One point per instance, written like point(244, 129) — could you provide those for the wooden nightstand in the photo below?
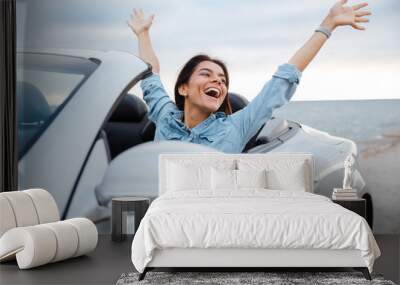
point(358, 206)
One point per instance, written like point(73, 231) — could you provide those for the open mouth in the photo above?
point(213, 92)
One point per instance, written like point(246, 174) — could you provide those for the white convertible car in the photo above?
point(85, 139)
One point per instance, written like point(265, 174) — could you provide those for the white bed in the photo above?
point(201, 220)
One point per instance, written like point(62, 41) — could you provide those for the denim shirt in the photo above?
point(226, 133)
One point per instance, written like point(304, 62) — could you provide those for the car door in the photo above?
point(54, 156)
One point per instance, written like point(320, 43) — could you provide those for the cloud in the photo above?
point(253, 37)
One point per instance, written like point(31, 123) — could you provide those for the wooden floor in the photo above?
point(111, 259)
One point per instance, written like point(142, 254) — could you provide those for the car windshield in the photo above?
point(45, 82)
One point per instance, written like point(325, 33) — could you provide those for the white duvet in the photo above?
point(252, 218)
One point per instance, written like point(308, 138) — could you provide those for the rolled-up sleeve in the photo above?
point(156, 98)
point(275, 93)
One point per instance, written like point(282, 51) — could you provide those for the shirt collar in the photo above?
point(178, 115)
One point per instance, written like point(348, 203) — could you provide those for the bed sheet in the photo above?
point(250, 218)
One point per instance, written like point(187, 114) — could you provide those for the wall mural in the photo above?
point(83, 126)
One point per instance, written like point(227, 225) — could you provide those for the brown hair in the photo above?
point(187, 72)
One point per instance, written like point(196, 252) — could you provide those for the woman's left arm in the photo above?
point(339, 15)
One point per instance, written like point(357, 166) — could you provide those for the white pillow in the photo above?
point(251, 178)
point(282, 174)
point(223, 179)
point(229, 179)
point(188, 177)
point(280, 180)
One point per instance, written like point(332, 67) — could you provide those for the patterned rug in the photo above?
point(242, 278)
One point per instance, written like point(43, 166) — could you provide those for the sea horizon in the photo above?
point(359, 120)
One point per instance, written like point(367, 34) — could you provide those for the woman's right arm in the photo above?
point(157, 99)
point(140, 25)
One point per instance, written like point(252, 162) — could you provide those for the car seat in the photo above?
point(124, 128)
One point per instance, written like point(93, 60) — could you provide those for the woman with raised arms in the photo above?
point(201, 112)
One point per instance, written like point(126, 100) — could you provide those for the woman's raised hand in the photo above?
point(139, 23)
point(341, 15)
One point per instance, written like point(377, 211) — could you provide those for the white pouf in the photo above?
point(31, 232)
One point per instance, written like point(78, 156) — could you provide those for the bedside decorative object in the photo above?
point(344, 194)
point(127, 212)
point(347, 192)
point(348, 172)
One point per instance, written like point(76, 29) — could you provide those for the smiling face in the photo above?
point(206, 89)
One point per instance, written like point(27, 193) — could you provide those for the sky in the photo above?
point(252, 37)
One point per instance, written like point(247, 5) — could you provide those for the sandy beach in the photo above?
point(379, 160)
